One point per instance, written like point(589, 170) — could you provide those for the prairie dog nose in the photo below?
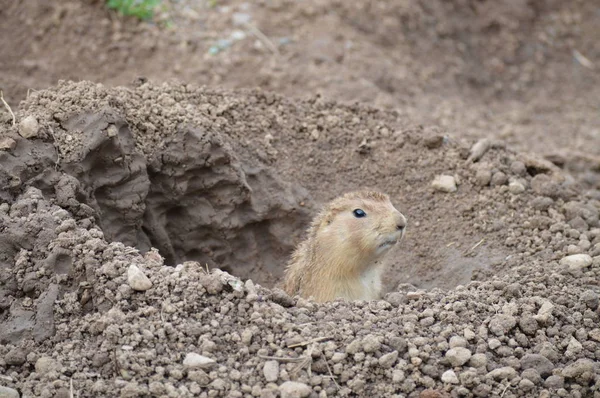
point(400, 222)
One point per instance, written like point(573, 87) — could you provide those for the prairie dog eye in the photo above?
point(359, 213)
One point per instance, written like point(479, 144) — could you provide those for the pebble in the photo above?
point(388, 360)
point(538, 362)
point(457, 341)
point(458, 356)
point(528, 325)
point(45, 364)
point(502, 324)
point(271, 371)
point(505, 372)
point(494, 343)
point(137, 279)
point(449, 377)
point(444, 183)
point(6, 392)
point(574, 346)
point(294, 389)
point(526, 385)
point(595, 334)
point(371, 344)
point(193, 361)
point(554, 381)
point(15, 357)
point(7, 143)
point(29, 127)
point(532, 375)
point(498, 179)
point(517, 167)
point(478, 360)
point(483, 177)
point(577, 368)
point(516, 187)
point(577, 261)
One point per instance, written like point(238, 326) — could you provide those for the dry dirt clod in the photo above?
point(577, 261)
point(458, 356)
point(444, 183)
point(294, 389)
point(271, 371)
point(7, 143)
point(449, 377)
point(137, 279)
point(6, 392)
point(29, 127)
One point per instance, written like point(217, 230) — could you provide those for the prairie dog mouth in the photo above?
point(388, 243)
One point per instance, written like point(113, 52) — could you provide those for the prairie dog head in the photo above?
point(359, 228)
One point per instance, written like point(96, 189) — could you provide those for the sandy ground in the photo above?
point(494, 291)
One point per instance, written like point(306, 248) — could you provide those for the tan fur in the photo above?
point(338, 257)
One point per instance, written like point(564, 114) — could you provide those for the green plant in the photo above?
point(142, 9)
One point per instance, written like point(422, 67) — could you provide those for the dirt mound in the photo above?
point(224, 171)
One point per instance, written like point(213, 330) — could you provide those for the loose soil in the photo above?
point(494, 291)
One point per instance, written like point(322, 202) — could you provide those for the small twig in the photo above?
point(116, 363)
point(474, 247)
point(282, 359)
point(331, 374)
point(14, 119)
point(305, 343)
point(71, 390)
point(450, 244)
point(505, 388)
point(263, 38)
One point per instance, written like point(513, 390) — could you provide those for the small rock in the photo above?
point(516, 187)
point(595, 334)
point(498, 179)
point(371, 343)
point(433, 141)
point(538, 362)
point(574, 346)
point(45, 364)
point(137, 279)
point(457, 341)
point(502, 324)
point(444, 183)
point(15, 357)
point(449, 377)
point(577, 368)
point(577, 261)
point(388, 360)
point(532, 375)
point(271, 371)
point(526, 385)
point(458, 356)
point(590, 298)
point(29, 127)
point(483, 177)
point(528, 325)
point(505, 372)
point(294, 389)
point(518, 168)
point(469, 334)
point(478, 360)
point(193, 361)
point(555, 382)
point(494, 343)
point(6, 392)
point(7, 143)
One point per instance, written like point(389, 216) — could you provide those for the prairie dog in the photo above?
point(338, 257)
